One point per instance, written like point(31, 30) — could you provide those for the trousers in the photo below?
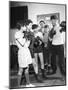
point(59, 51)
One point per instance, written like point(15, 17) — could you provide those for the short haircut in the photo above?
point(19, 24)
point(34, 26)
point(28, 21)
point(42, 21)
point(53, 17)
point(63, 24)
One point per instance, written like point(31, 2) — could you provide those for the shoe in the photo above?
point(45, 78)
point(46, 66)
point(43, 74)
point(30, 85)
point(38, 78)
point(50, 73)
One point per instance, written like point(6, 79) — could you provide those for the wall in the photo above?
point(35, 9)
point(12, 36)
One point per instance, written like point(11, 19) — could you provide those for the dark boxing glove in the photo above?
point(36, 43)
point(52, 33)
point(63, 26)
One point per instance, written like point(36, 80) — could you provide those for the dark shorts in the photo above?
point(38, 49)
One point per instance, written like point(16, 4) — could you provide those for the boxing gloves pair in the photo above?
point(37, 42)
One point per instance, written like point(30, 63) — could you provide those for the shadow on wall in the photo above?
point(12, 36)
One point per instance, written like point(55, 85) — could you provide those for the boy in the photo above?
point(46, 50)
point(31, 47)
point(38, 50)
point(57, 46)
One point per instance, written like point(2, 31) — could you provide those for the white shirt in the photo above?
point(58, 38)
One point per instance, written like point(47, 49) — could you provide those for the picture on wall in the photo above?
point(46, 18)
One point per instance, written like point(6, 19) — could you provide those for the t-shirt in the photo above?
point(58, 38)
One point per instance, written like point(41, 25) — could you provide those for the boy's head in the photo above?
point(28, 24)
point(46, 28)
point(35, 27)
point(21, 25)
point(54, 19)
point(63, 26)
point(42, 23)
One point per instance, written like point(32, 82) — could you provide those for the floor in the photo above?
point(53, 80)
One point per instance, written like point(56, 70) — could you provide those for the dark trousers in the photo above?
point(46, 55)
point(58, 50)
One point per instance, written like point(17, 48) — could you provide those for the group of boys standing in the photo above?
point(36, 41)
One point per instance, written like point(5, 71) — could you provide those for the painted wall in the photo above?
point(35, 9)
point(12, 36)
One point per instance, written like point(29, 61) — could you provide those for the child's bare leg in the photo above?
point(41, 60)
point(36, 68)
point(20, 75)
point(35, 63)
point(42, 65)
point(27, 75)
